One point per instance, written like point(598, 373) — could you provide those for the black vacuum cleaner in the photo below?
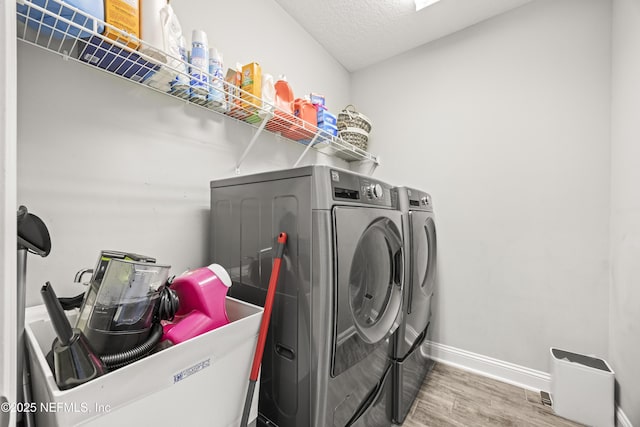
point(33, 237)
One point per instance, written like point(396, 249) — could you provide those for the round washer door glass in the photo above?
point(374, 279)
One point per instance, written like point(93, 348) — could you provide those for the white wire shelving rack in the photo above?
point(58, 27)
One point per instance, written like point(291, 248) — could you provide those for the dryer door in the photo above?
point(423, 257)
point(369, 269)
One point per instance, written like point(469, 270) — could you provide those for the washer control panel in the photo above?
point(354, 188)
point(375, 191)
point(420, 200)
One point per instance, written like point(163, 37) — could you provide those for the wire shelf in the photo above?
point(58, 27)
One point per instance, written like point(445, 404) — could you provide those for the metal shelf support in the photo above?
point(253, 141)
point(309, 145)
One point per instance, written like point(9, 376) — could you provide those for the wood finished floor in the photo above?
point(453, 397)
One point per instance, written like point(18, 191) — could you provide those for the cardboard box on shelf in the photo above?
point(124, 15)
point(251, 85)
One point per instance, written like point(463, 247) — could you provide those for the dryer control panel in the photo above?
point(348, 187)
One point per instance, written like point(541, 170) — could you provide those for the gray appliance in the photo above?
point(339, 296)
point(411, 362)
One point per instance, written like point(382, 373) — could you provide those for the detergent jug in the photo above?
point(202, 294)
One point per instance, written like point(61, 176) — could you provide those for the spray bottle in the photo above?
point(216, 98)
point(199, 67)
point(180, 85)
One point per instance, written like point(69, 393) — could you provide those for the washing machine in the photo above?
point(411, 361)
point(339, 297)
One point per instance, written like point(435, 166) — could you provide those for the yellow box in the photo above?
point(251, 83)
point(125, 15)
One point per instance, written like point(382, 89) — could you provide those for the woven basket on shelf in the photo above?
point(350, 118)
point(355, 136)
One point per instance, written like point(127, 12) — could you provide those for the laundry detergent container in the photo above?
point(62, 18)
point(582, 388)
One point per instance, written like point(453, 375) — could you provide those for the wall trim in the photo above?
point(500, 370)
point(621, 418)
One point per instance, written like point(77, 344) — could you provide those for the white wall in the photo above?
point(507, 123)
point(8, 317)
point(110, 165)
point(624, 345)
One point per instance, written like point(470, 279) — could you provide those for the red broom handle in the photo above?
point(268, 305)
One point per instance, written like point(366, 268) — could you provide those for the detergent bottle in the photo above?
point(283, 95)
point(202, 303)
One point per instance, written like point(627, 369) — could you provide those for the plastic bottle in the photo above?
point(171, 46)
point(202, 295)
point(283, 111)
point(284, 95)
point(180, 85)
point(151, 29)
point(216, 98)
point(268, 95)
point(199, 67)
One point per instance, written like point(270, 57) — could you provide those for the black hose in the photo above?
point(69, 303)
point(118, 360)
point(168, 304)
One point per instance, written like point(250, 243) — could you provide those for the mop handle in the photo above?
point(268, 305)
point(264, 328)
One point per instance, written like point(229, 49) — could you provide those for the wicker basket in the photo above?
point(350, 118)
point(355, 136)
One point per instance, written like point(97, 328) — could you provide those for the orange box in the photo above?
point(251, 83)
point(125, 15)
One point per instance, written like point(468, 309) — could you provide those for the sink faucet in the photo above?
point(79, 274)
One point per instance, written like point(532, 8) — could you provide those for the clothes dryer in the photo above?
point(411, 363)
point(339, 298)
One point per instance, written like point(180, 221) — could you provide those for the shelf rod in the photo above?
point(311, 143)
point(253, 141)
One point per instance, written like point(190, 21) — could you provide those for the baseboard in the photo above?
point(621, 418)
point(489, 367)
point(500, 370)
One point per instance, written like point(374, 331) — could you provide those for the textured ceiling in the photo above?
point(359, 33)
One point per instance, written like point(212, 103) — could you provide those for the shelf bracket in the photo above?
point(373, 164)
point(309, 145)
point(253, 141)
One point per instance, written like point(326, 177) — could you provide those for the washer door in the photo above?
point(423, 256)
point(369, 270)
